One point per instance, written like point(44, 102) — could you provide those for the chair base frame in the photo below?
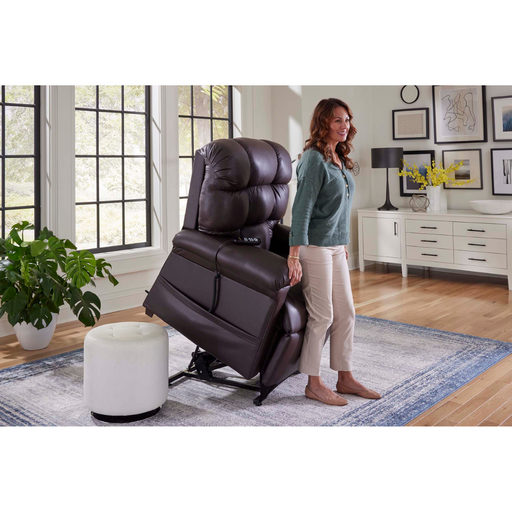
point(202, 366)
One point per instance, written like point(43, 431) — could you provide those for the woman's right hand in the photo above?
point(294, 271)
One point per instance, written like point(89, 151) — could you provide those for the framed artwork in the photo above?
point(459, 114)
point(502, 118)
point(410, 124)
point(421, 159)
point(471, 168)
point(501, 165)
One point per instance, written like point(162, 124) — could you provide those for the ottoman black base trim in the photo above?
point(125, 419)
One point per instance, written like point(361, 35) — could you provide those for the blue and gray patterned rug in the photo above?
point(413, 367)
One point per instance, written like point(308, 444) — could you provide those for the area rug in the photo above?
point(413, 367)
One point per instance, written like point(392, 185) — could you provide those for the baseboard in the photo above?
point(447, 270)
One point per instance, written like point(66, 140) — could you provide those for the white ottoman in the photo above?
point(126, 371)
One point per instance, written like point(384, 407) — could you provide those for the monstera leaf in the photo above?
point(80, 267)
point(40, 316)
point(85, 306)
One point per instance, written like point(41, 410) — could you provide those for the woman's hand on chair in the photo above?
point(294, 271)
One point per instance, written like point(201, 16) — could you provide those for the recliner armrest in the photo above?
point(253, 267)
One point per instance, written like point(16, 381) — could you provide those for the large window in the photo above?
point(205, 114)
point(19, 157)
point(112, 167)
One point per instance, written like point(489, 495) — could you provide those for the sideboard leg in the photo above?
point(361, 264)
point(510, 282)
point(404, 270)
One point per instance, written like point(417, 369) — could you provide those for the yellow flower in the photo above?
point(436, 175)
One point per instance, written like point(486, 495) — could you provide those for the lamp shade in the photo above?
point(384, 158)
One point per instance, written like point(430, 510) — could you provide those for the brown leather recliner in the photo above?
point(253, 321)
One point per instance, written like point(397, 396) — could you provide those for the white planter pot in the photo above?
point(32, 339)
point(437, 198)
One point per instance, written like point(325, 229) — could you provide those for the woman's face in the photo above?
point(339, 125)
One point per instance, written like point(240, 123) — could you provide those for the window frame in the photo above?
point(36, 156)
point(210, 118)
point(122, 201)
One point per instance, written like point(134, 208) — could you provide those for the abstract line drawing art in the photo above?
point(459, 114)
point(460, 108)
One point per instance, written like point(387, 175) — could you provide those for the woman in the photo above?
point(318, 238)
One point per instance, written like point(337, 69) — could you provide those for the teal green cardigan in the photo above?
point(321, 209)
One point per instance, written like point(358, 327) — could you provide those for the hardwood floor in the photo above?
point(468, 304)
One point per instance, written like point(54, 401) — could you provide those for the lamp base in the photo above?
point(387, 206)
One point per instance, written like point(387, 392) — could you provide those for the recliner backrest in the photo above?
point(239, 188)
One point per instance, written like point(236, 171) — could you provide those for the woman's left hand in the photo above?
point(346, 252)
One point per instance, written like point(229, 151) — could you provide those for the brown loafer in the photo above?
point(366, 393)
point(335, 401)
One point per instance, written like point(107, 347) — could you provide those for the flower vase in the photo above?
point(437, 198)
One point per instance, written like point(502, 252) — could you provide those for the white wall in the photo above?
point(372, 106)
point(292, 107)
point(385, 100)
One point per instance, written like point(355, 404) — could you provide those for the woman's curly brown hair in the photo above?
point(319, 128)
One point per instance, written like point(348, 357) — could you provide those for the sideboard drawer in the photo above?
point(429, 254)
point(466, 243)
point(481, 260)
point(480, 230)
point(429, 240)
point(439, 227)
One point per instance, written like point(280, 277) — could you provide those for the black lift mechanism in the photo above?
point(202, 366)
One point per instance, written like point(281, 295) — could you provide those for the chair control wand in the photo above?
point(239, 241)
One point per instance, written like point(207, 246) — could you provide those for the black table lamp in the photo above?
point(387, 158)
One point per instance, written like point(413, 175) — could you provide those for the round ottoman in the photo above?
point(126, 371)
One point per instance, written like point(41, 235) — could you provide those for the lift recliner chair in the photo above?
point(234, 301)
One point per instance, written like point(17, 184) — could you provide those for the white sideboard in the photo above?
point(450, 239)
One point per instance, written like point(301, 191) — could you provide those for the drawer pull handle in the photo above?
point(477, 230)
point(476, 259)
point(434, 241)
point(396, 225)
point(428, 227)
point(478, 245)
point(427, 254)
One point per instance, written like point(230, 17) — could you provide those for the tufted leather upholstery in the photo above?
point(239, 188)
point(245, 188)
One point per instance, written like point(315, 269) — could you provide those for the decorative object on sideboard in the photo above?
point(387, 158)
point(356, 169)
point(502, 118)
point(459, 114)
point(421, 159)
point(491, 206)
point(501, 171)
point(410, 124)
point(469, 174)
point(419, 203)
point(435, 176)
point(37, 276)
point(409, 94)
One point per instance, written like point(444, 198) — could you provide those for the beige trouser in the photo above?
point(329, 302)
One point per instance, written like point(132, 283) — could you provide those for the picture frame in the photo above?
point(459, 114)
point(501, 171)
point(421, 158)
point(502, 118)
point(472, 168)
point(411, 124)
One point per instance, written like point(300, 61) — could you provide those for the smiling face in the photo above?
point(339, 125)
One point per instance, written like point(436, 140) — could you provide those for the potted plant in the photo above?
point(431, 179)
point(37, 277)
